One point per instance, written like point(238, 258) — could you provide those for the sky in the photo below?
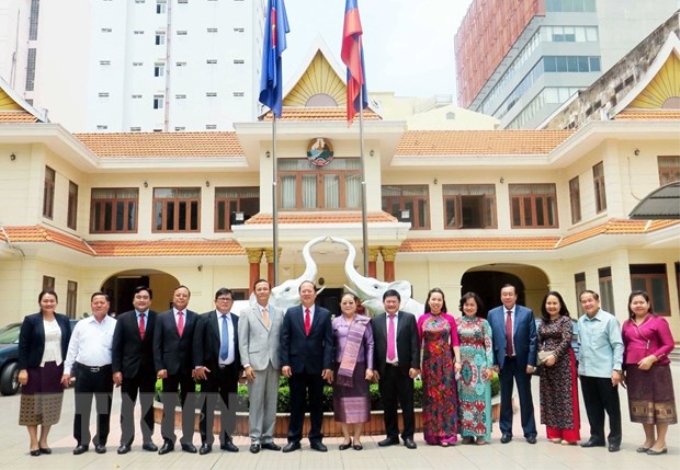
point(408, 44)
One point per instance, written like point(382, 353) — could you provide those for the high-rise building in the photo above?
point(519, 60)
point(135, 65)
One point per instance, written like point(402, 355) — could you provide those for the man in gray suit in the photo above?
point(259, 328)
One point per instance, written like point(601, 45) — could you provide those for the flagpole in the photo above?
point(275, 210)
point(364, 219)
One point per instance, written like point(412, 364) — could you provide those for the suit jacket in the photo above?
point(408, 344)
point(32, 339)
point(207, 341)
point(129, 351)
point(310, 354)
point(524, 335)
point(258, 345)
point(171, 352)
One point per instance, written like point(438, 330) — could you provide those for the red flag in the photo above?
point(352, 55)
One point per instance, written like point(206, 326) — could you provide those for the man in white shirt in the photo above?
point(89, 350)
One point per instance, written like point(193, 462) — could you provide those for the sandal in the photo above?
point(481, 442)
point(468, 440)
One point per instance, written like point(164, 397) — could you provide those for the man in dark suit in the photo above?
point(173, 357)
point(397, 362)
point(133, 368)
point(217, 364)
point(514, 347)
point(305, 357)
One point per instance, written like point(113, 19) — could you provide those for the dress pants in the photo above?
point(599, 395)
point(300, 385)
point(92, 382)
point(144, 385)
point(187, 399)
point(397, 387)
point(263, 393)
point(512, 372)
point(219, 389)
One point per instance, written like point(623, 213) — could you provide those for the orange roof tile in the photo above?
point(321, 218)
point(16, 116)
point(163, 144)
point(617, 227)
point(294, 113)
point(168, 248)
point(495, 142)
point(38, 233)
point(639, 114)
point(418, 245)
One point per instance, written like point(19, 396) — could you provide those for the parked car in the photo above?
point(9, 355)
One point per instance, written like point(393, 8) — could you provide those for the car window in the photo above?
point(10, 333)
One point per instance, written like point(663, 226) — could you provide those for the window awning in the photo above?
point(662, 203)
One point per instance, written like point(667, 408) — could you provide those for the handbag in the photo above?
point(543, 356)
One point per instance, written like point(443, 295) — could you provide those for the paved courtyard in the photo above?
point(515, 455)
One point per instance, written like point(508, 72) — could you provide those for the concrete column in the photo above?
point(389, 254)
point(373, 252)
point(254, 259)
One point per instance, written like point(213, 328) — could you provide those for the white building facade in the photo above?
point(135, 65)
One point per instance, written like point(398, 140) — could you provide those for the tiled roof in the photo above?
point(163, 144)
point(618, 227)
point(16, 116)
point(321, 218)
point(294, 113)
point(494, 142)
point(167, 248)
point(38, 233)
point(478, 244)
point(648, 115)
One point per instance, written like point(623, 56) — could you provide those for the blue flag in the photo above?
point(276, 28)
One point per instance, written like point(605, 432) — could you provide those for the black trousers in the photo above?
point(599, 395)
point(187, 399)
point(301, 385)
point(144, 385)
point(219, 390)
point(97, 383)
point(514, 372)
point(396, 386)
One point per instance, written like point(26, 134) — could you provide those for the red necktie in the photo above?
point(391, 340)
point(180, 323)
point(142, 330)
point(308, 322)
point(508, 334)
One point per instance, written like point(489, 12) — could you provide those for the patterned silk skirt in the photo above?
point(352, 405)
point(42, 396)
point(650, 395)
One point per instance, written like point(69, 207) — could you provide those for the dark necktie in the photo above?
point(224, 347)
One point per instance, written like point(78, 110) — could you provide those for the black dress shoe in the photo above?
point(35, 453)
point(205, 449)
point(270, 446)
point(344, 446)
point(229, 447)
point(100, 449)
point(592, 443)
point(651, 451)
point(150, 446)
point(81, 449)
point(319, 447)
point(45, 450)
point(358, 447)
point(616, 448)
point(505, 438)
point(291, 446)
point(123, 449)
point(389, 441)
point(254, 448)
point(410, 443)
point(531, 439)
point(168, 446)
point(189, 448)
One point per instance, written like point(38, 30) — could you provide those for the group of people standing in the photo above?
point(460, 357)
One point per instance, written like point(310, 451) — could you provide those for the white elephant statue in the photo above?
point(370, 290)
point(287, 294)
